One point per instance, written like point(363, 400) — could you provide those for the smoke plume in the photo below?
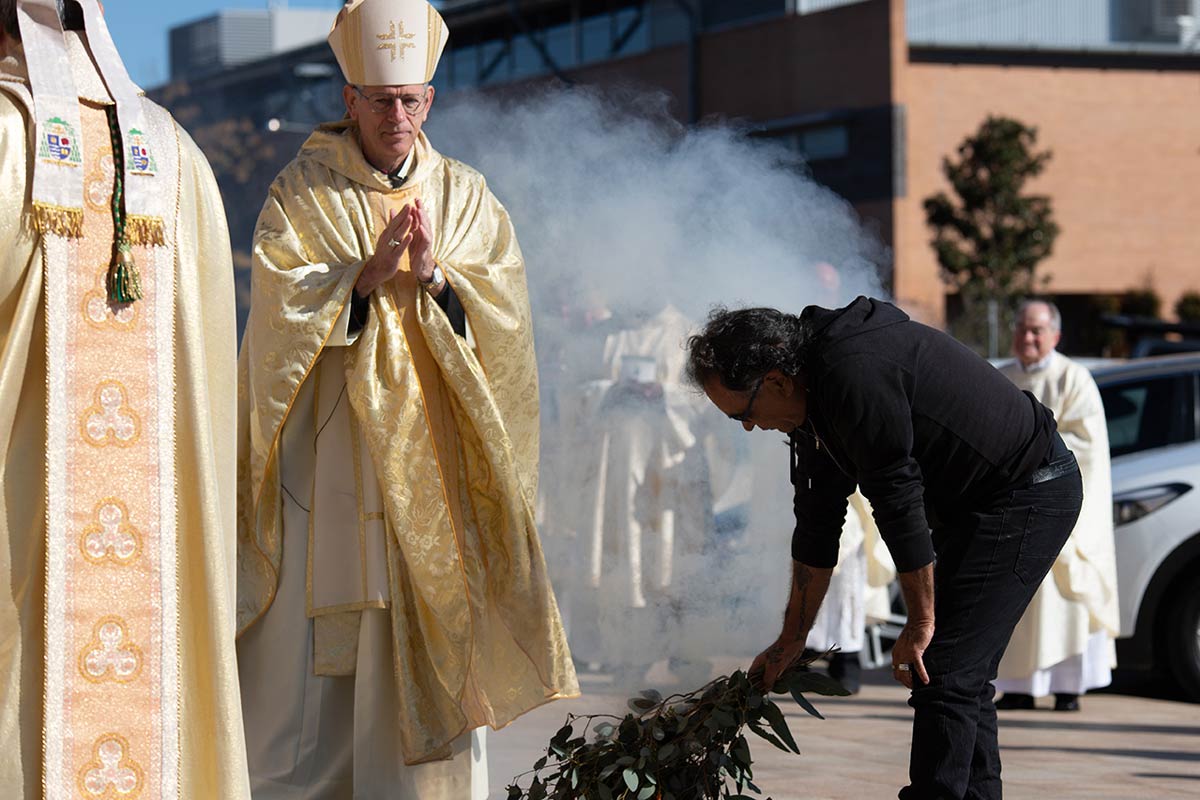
point(620, 211)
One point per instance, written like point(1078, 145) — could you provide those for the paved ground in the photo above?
point(1119, 746)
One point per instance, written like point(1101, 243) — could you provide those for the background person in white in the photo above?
point(1064, 643)
point(858, 594)
point(637, 496)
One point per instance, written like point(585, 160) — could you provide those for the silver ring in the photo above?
point(393, 243)
point(903, 668)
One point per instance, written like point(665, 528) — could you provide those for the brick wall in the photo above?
point(1124, 179)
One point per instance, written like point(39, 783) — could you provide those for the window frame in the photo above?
point(1187, 381)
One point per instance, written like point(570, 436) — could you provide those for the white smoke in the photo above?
point(607, 189)
point(619, 208)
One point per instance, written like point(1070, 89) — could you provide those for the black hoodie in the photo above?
point(925, 427)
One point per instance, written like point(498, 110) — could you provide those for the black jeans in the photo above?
point(989, 565)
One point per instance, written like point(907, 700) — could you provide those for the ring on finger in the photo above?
point(903, 667)
point(393, 243)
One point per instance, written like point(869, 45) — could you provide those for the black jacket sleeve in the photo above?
point(821, 490)
point(871, 421)
point(448, 302)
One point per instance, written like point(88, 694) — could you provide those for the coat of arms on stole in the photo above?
point(141, 162)
point(58, 143)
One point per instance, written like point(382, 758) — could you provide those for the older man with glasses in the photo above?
point(393, 597)
point(1064, 644)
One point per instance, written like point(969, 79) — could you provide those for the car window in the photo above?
point(1147, 413)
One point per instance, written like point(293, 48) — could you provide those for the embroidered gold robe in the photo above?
point(450, 428)
point(210, 758)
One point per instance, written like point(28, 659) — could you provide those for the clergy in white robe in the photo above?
point(1064, 645)
point(117, 406)
point(636, 495)
point(857, 595)
point(393, 599)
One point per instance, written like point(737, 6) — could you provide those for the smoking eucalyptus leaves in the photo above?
point(683, 747)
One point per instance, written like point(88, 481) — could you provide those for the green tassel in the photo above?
point(124, 284)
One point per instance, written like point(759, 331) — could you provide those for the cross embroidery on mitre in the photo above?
point(395, 41)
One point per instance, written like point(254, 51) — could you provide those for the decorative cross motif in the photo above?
point(107, 656)
point(110, 420)
point(111, 537)
point(111, 774)
point(395, 41)
point(98, 189)
point(99, 312)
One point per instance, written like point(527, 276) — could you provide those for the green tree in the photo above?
point(990, 236)
point(1187, 307)
point(1142, 302)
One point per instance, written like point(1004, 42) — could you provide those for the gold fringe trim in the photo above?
point(143, 231)
point(53, 220)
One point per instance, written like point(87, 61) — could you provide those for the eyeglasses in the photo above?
point(745, 415)
point(382, 103)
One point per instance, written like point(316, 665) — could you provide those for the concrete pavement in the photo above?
point(1119, 746)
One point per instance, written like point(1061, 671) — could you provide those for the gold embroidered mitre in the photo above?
point(388, 42)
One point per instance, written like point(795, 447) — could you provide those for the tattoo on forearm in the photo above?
point(798, 612)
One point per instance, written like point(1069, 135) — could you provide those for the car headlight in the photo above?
point(1133, 505)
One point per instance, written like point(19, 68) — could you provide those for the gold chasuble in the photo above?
point(117, 668)
point(450, 426)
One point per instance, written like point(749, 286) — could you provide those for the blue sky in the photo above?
point(139, 28)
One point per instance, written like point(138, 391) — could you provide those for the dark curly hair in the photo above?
point(741, 346)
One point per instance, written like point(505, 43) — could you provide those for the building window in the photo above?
point(1167, 14)
point(464, 71)
point(1149, 413)
point(823, 143)
point(826, 142)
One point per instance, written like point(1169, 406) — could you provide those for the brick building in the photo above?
point(874, 93)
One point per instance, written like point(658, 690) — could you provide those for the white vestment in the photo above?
point(1064, 642)
point(634, 491)
point(318, 733)
point(858, 587)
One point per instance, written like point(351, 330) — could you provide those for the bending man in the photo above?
point(936, 439)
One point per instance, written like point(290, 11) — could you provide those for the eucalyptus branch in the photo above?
point(687, 746)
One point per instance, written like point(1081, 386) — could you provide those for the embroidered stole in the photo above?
point(112, 700)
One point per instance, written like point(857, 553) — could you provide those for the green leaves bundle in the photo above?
point(683, 747)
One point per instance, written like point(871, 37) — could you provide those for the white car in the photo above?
point(1153, 411)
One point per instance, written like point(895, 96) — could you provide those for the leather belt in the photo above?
point(1061, 462)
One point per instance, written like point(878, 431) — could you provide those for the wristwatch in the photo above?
point(434, 282)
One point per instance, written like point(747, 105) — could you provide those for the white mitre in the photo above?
point(388, 42)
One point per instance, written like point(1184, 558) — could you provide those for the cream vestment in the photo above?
point(1073, 618)
point(117, 428)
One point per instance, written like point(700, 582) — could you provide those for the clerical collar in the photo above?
point(1037, 366)
point(400, 174)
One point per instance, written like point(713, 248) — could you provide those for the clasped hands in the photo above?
point(407, 230)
